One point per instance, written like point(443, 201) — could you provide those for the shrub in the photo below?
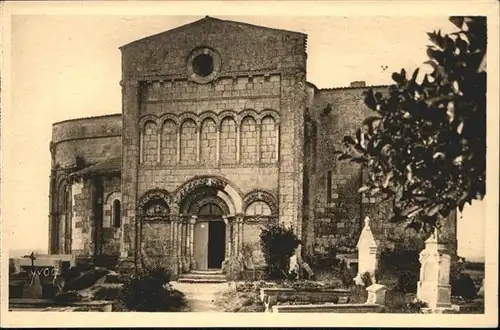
point(463, 286)
point(344, 274)
point(367, 279)
point(278, 244)
point(232, 268)
point(149, 291)
point(402, 260)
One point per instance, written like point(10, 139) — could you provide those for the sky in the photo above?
point(65, 67)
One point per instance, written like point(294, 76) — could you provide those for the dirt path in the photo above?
point(200, 296)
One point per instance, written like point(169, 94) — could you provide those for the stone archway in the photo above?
point(207, 207)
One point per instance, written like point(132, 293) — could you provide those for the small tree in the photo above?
point(425, 147)
point(278, 244)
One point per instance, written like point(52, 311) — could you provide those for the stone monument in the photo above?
point(367, 254)
point(434, 286)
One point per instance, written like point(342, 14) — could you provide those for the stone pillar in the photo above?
point(198, 143)
point(228, 237)
point(192, 221)
point(175, 256)
point(367, 254)
point(238, 132)
point(178, 145)
point(141, 146)
point(277, 142)
point(131, 138)
point(239, 225)
point(217, 152)
point(158, 144)
point(178, 239)
point(185, 244)
point(434, 284)
point(258, 128)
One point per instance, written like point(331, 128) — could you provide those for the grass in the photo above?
point(233, 301)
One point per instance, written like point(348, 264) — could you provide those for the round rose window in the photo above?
point(203, 65)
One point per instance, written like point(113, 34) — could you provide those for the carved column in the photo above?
point(185, 244)
point(179, 244)
point(217, 146)
point(198, 144)
point(192, 222)
point(228, 237)
point(238, 234)
point(238, 144)
point(277, 142)
point(258, 131)
point(158, 145)
point(175, 255)
point(178, 144)
point(171, 234)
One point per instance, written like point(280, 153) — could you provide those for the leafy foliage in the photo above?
point(402, 260)
point(149, 291)
point(425, 146)
point(278, 244)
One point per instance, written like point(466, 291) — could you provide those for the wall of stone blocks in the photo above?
point(156, 246)
point(338, 211)
point(338, 219)
point(243, 47)
point(262, 74)
point(110, 233)
point(81, 227)
point(94, 139)
point(251, 238)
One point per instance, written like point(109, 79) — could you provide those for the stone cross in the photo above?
point(367, 254)
point(433, 286)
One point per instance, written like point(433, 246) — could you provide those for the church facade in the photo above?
point(220, 133)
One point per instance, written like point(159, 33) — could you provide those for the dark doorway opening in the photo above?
point(216, 243)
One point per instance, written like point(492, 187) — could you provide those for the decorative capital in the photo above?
point(193, 219)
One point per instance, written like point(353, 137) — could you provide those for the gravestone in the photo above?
point(434, 286)
point(376, 294)
point(33, 289)
point(368, 254)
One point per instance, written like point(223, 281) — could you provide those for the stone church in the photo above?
point(220, 133)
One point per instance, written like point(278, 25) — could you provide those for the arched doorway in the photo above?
point(210, 237)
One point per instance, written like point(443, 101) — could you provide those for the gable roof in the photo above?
point(208, 19)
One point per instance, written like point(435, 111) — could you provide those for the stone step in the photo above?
point(207, 272)
point(202, 276)
point(201, 280)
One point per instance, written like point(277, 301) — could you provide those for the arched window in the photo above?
point(258, 208)
point(150, 143)
point(188, 142)
point(268, 140)
point(228, 141)
point(208, 140)
point(169, 142)
point(117, 217)
point(248, 140)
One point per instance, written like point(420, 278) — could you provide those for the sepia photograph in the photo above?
point(205, 157)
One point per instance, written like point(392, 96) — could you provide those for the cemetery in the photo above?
point(419, 273)
point(62, 283)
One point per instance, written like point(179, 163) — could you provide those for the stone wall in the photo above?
point(111, 222)
point(93, 139)
point(243, 48)
point(336, 209)
point(224, 125)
